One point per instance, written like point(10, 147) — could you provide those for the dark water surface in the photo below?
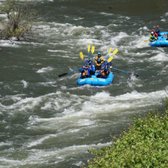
point(50, 122)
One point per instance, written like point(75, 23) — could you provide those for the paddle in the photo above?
point(89, 48)
point(111, 56)
point(126, 72)
point(110, 59)
point(89, 51)
point(63, 74)
point(92, 49)
point(71, 71)
point(108, 53)
point(110, 50)
point(81, 55)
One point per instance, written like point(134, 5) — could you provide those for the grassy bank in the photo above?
point(144, 145)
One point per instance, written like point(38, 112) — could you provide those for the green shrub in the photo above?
point(145, 145)
point(18, 21)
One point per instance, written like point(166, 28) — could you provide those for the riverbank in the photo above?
point(144, 145)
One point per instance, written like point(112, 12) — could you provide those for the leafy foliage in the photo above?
point(19, 18)
point(145, 145)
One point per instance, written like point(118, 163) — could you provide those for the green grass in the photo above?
point(144, 145)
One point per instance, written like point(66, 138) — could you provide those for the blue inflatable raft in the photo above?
point(162, 40)
point(94, 81)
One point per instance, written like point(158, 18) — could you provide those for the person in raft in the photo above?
point(105, 69)
point(87, 69)
point(99, 59)
point(157, 31)
point(152, 37)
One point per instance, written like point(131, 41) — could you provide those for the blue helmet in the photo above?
point(99, 53)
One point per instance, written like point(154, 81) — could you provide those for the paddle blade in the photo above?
point(63, 74)
point(81, 55)
point(88, 48)
point(70, 71)
point(93, 49)
point(110, 59)
point(110, 50)
point(115, 51)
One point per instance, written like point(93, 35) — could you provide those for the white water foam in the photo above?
point(8, 43)
point(45, 69)
point(55, 51)
point(25, 84)
point(96, 106)
point(2, 144)
point(43, 156)
point(160, 57)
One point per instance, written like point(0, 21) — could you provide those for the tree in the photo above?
point(19, 19)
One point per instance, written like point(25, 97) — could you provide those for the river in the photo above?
point(48, 121)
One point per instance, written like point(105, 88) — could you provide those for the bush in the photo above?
point(145, 145)
point(19, 18)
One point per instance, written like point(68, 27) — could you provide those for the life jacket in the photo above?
point(99, 60)
point(156, 34)
point(85, 72)
point(102, 74)
point(152, 38)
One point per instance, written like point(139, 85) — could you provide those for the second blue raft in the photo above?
point(162, 40)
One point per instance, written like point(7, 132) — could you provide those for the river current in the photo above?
point(48, 121)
